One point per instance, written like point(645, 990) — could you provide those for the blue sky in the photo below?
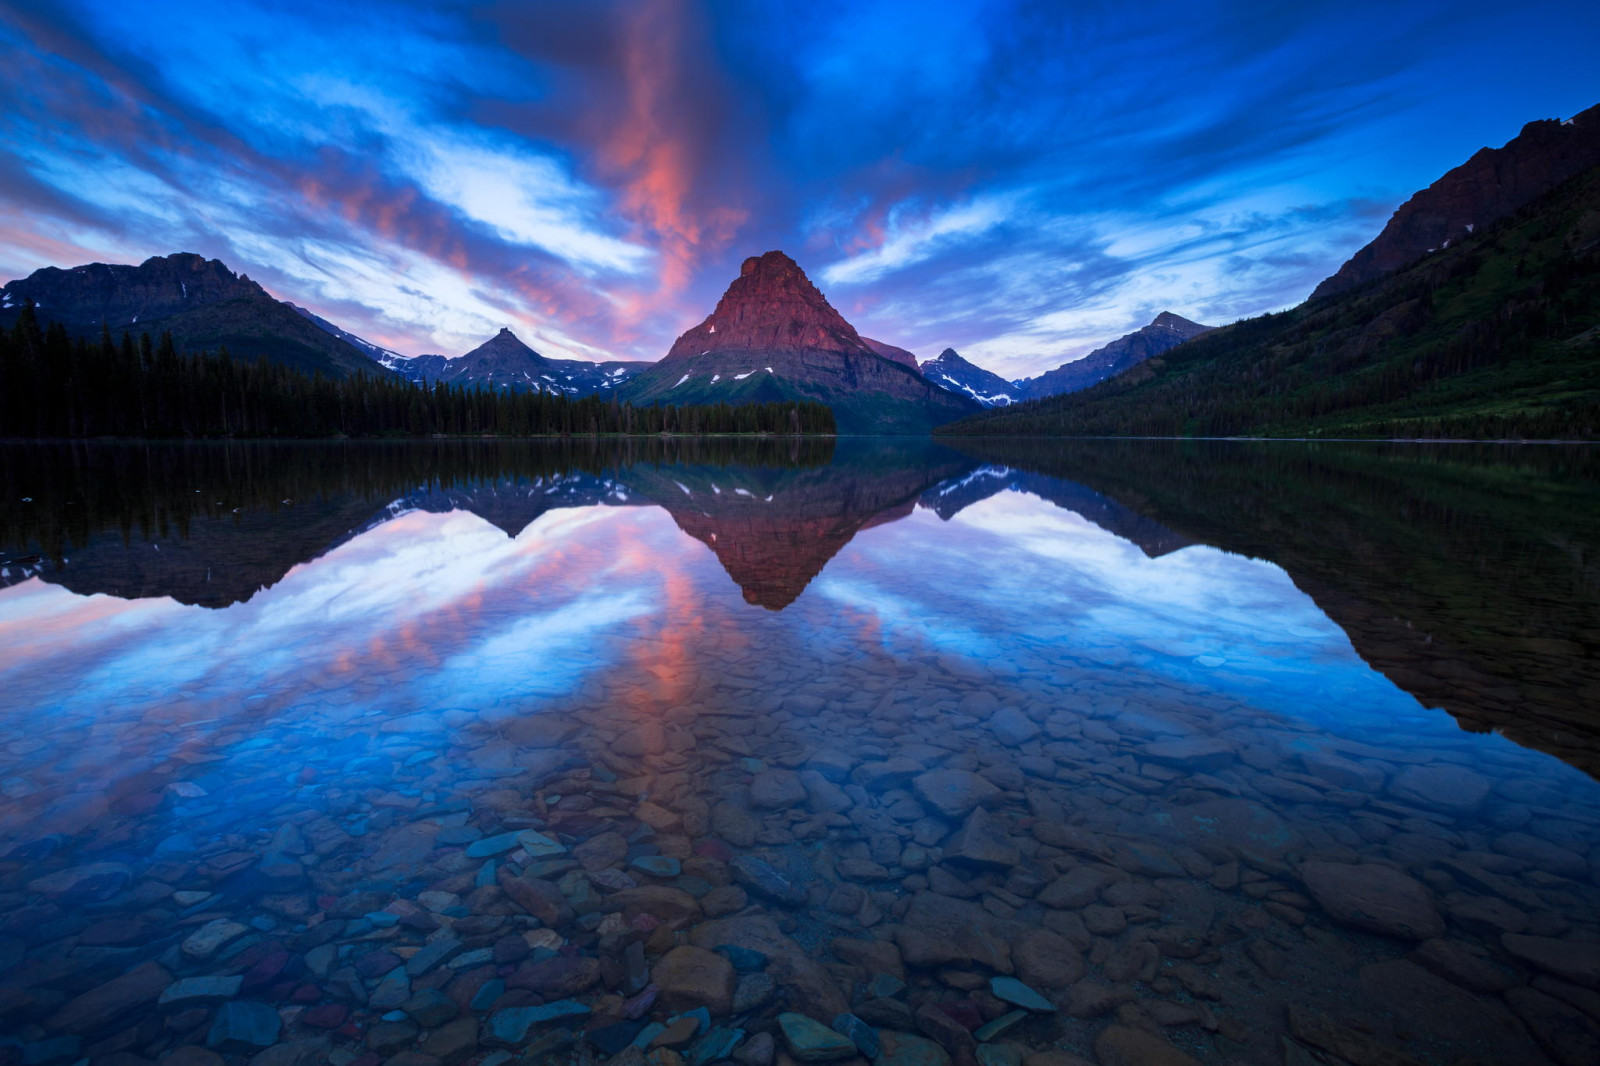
point(1021, 181)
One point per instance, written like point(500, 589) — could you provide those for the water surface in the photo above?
point(1253, 751)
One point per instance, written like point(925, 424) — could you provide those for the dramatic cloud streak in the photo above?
point(1021, 181)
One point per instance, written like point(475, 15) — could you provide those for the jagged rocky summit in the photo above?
point(948, 370)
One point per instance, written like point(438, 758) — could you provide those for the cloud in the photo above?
point(907, 242)
point(1020, 181)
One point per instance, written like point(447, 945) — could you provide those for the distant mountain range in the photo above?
point(1493, 332)
point(504, 362)
point(774, 336)
point(1165, 332)
point(1465, 315)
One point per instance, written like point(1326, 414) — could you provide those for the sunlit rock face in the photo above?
point(774, 336)
point(771, 307)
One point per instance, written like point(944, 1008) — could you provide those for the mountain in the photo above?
point(1487, 187)
point(775, 337)
point(502, 362)
point(1496, 336)
point(200, 301)
point(1165, 331)
point(376, 352)
point(948, 370)
point(891, 353)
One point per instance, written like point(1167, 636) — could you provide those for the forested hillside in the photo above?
point(1498, 336)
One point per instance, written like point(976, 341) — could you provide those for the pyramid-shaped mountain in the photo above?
point(203, 304)
point(775, 337)
point(505, 363)
point(952, 372)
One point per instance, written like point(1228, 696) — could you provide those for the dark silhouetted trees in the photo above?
point(54, 386)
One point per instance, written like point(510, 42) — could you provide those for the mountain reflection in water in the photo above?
point(1157, 728)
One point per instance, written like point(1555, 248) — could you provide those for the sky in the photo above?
point(1020, 181)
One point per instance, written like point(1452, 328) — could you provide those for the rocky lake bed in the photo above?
point(732, 834)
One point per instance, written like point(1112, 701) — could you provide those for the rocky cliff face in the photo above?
point(892, 353)
point(203, 304)
point(1490, 185)
point(773, 337)
point(948, 370)
point(1165, 331)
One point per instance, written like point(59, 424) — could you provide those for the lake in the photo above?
point(678, 751)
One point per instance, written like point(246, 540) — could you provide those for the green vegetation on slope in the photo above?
point(860, 410)
point(1497, 337)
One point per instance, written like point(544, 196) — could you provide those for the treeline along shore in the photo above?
point(58, 387)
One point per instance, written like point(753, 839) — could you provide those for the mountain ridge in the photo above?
point(772, 337)
point(1487, 187)
point(1493, 337)
point(1164, 332)
point(950, 371)
point(201, 302)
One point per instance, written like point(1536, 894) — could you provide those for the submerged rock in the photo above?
point(1120, 1045)
point(811, 1041)
point(243, 1026)
point(691, 977)
point(982, 842)
point(954, 793)
point(1376, 898)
